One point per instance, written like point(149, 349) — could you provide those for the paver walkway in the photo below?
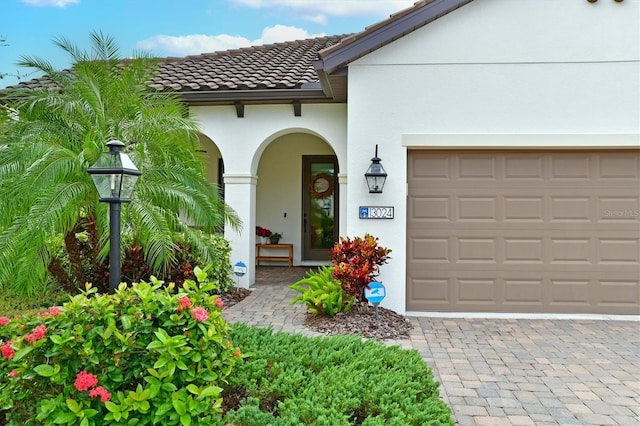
point(503, 371)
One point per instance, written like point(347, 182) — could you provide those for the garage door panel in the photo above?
point(524, 167)
point(618, 208)
point(618, 251)
point(492, 294)
point(547, 234)
point(571, 166)
point(619, 166)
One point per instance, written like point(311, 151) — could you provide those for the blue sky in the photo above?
point(173, 27)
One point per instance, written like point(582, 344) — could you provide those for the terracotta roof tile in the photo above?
point(285, 65)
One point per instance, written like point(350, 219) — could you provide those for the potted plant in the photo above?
point(263, 233)
point(275, 237)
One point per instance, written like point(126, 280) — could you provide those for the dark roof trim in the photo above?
point(231, 96)
point(398, 25)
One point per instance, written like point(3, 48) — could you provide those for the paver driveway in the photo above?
point(505, 371)
point(535, 372)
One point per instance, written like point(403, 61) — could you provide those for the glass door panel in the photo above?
point(320, 206)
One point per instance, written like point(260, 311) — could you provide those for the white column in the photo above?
point(240, 194)
point(342, 181)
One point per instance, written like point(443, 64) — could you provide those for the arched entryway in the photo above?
point(297, 195)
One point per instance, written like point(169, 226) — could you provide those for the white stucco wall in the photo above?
point(242, 142)
point(494, 73)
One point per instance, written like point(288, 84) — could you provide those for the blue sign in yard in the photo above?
point(375, 293)
point(240, 269)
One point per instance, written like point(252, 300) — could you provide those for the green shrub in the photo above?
point(321, 293)
point(134, 266)
point(341, 380)
point(219, 269)
point(12, 304)
point(142, 355)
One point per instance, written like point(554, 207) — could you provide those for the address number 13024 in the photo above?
point(376, 212)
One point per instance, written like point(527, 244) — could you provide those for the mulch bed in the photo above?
point(388, 324)
point(234, 295)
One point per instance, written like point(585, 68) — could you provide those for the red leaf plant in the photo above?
point(356, 263)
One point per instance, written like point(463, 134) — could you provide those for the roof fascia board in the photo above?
point(254, 95)
point(324, 80)
point(389, 32)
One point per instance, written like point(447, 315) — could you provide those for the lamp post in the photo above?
point(114, 176)
point(375, 175)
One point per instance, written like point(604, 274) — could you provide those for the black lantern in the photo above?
point(375, 175)
point(115, 176)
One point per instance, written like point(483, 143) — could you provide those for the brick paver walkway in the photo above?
point(505, 371)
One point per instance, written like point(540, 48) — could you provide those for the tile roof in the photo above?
point(286, 65)
point(303, 70)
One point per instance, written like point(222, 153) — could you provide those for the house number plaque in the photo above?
point(376, 212)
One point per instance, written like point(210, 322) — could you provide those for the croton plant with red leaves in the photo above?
point(356, 263)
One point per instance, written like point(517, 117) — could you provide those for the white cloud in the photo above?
point(318, 10)
point(283, 33)
point(46, 3)
point(166, 45)
point(191, 44)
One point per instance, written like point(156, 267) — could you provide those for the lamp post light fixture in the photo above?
point(375, 175)
point(114, 176)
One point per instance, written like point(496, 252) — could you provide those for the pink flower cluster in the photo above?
point(52, 312)
point(85, 381)
point(184, 303)
point(88, 382)
point(200, 314)
point(38, 333)
point(4, 321)
point(100, 392)
point(219, 302)
point(7, 350)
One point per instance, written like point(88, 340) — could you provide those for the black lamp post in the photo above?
point(375, 175)
point(115, 176)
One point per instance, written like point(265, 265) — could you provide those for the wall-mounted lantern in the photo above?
point(115, 177)
point(375, 175)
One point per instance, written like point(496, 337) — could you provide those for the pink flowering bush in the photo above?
point(143, 355)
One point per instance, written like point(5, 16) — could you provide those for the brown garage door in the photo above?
point(514, 231)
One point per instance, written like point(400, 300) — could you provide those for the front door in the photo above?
point(320, 206)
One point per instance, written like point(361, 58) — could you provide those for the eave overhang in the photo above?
point(228, 97)
point(376, 36)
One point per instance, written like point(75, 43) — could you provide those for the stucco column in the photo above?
point(342, 181)
point(240, 195)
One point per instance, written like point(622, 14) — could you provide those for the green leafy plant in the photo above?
point(322, 293)
point(52, 134)
point(140, 356)
point(356, 263)
point(340, 380)
point(219, 268)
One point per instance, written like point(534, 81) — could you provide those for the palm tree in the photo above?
point(52, 134)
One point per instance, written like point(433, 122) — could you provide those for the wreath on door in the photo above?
point(321, 186)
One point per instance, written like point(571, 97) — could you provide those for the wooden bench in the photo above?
point(271, 258)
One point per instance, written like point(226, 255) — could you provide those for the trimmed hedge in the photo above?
point(342, 380)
